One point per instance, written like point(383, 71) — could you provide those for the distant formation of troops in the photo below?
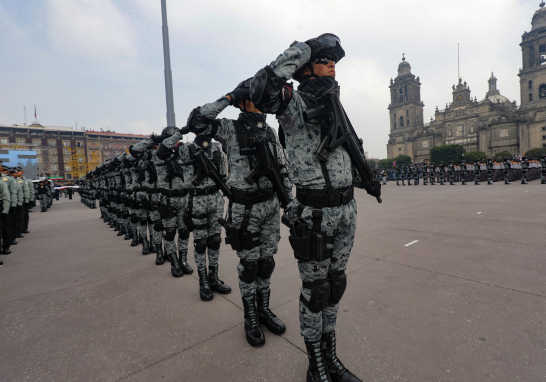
point(18, 195)
point(490, 171)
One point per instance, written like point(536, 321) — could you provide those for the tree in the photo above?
point(446, 154)
point(471, 156)
point(534, 154)
point(385, 163)
point(499, 157)
point(372, 163)
point(402, 159)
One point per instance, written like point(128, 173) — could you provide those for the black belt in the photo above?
point(204, 191)
point(137, 189)
point(129, 192)
point(151, 192)
point(173, 193)
point(249, 198)
point(319, 198)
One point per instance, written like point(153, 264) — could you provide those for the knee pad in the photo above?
point(266, 268)
point(320, 293)
point(170, 233)
point(200, 245)
point(134, 219)
point(338, 283)
point(143, 221)
point(125, 214)
point(250, 271)
point(183, 234)
point(215, 241)
point(158, 225)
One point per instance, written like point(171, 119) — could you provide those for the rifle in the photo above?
point(340, 132)
point(266, 166)
point(174, 170)
point(204, 169)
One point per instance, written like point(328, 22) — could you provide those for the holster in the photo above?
point(310, 245)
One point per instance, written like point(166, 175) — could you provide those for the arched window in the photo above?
point(395, 120)
point(401, 121)
point(530, 84)
point(407, 114)
point(530, 96)
point(542, 91)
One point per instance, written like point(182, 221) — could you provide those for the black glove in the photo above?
point(374, 190)
point(159, 138)
point(170, 130)
point(184, 130)
point(239, 94)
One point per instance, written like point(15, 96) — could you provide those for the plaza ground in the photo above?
point(465, 302)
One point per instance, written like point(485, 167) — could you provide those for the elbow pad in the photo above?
point(163, 152)
point(266, 88)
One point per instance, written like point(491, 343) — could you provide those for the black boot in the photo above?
point(266, 316)
point(112, 223)
point(175, 267)
point(204, 285)
point(128, 233)
point(121, 229)
point(317, 366)
point(216, 284)
point(159, 260)
point(184, 263)
point(254, 334)
point(145, 246)
point(338, 372)
point(506, 181)
point(134, 243)
point(152, 246)
point(6, 251)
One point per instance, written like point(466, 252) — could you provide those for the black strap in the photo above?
point(249, 198)
point(204, 191)
point(320, 199)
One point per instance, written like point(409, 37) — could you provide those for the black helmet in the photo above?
point(327, 43)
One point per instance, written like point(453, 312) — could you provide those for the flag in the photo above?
point(35, 111)
point(394, 164)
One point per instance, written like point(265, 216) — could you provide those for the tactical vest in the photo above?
point(244, 140)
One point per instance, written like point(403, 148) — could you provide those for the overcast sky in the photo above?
point(101, 61)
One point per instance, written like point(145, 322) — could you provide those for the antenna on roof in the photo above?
point(458, 63)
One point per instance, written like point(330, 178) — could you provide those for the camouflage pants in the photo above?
point(340, 222)
point(207, 209)
point(153, 216)
point(124, 209)
point(178, 207)
point(142, 215)
point(264, 218)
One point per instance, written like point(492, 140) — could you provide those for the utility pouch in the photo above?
point(232, 235)
point(188, 221)
point(300, 240)
point(162, 209)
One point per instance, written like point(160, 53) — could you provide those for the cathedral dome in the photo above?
point(404, 67)
point(539, 18)
point(497, 98)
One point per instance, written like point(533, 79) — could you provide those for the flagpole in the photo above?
point(168, 72)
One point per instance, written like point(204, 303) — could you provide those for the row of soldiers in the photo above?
point(163, 190)
point(477, 172)
point(18, 195)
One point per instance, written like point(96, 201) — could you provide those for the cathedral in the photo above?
point(491, 125)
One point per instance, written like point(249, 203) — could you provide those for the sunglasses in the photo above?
point(324, 60)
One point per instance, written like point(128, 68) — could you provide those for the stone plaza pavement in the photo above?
point(466, 302)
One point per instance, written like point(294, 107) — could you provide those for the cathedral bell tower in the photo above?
point(405, 109)
point(533, 49)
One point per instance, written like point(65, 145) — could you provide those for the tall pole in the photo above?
point(168, 72)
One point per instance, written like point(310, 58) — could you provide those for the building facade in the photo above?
point(64, 152)
point(491, 125)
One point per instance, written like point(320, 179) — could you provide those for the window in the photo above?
point(68, 168)
point(544, 137)
point(79, 144)
point(532, 56)
point(38, 160)
point(38, 150)
point(395, 125)
point(542, 91)
point(20, 140)
point(66, 151)
point(544, 145)
point(68, 176)
point(530, 84)
point(400, 90)
point(3, 140)
point(542, 48)
point(37, 142)
point(66, 143)
point(51, 142)
point(399, 149)
point(67, 159)
point(53, 167)
point(401, 121)
point(80, 160)
point(52, 151)
point(401, 98)
point(530, 96)
point(544, 128)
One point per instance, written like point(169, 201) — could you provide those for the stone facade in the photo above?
point(491, 125)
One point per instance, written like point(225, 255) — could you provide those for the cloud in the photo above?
point(95, 29)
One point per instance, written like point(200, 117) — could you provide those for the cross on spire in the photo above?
point(403, 58)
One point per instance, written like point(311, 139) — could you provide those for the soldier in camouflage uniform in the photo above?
point(28, 204)
point(543, 169)
point(17, 221)
point(253, 218)
point(398, 174)
point(22, 207)
point(324, 208)
point(415, 175)
point(409, 174)
point(524, 169)
point(6, 220)
point(139, 203)
point(442, 172)
point(507, 169)
point(464, 170)
point(155, 181)
point(403, 172)
point(131, 232)
point(451, 171)
point(476, 172)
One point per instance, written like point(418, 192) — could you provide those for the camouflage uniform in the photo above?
point(543, 169)
point(8, 185)
point(254, 211)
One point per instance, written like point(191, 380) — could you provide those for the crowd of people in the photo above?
point(490, 171)
point(18, 195)
point(164, 190)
